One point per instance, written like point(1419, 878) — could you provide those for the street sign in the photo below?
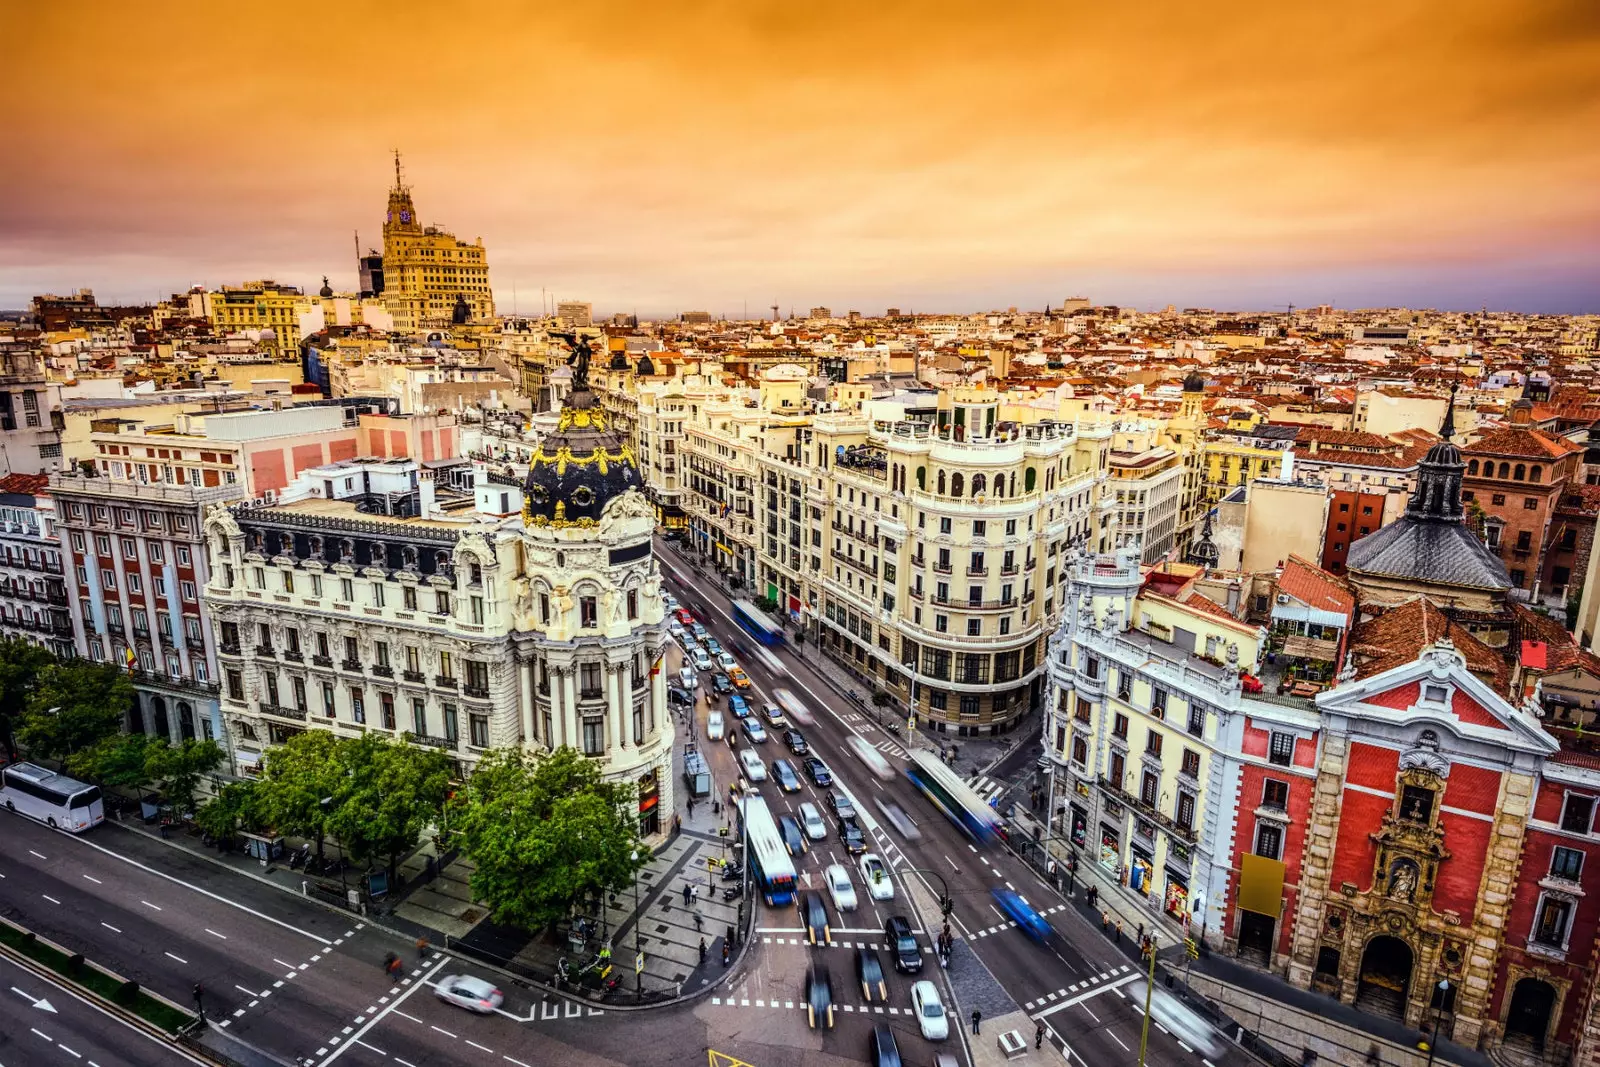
point(1192, 947)
point(638, 963)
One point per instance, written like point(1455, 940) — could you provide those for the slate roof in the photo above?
point(1438, 553)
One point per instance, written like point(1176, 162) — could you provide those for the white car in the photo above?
point(876, 876)
point(702, 660)
point(725, 661)
point(688, 678)
point(1186, 1024)
point(875, 761)
point(714, 725)
point(754, 769)
point(840, 888)
point(811, 819)
point(465, 991)
point(929, 1010)
point(675, 628)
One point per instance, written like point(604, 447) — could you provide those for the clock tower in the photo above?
point(427, 272)
point(401, 218)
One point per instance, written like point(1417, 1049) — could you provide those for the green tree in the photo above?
point(395, 791)
point(182, 766)
point(236, 806)
point(544, 832)
point(73, 705)
point(123, 761)
point(20, 664)
point(300, 775)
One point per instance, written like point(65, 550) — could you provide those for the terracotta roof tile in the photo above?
point(1315, 587)
point(25, 484)
point(1400, 634)
point(1521, 441)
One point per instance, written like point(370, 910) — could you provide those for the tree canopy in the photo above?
point(545, 831)
point(20, 664)
point(300, 774)
point(73, 705)
point(394, 791)
point(236, 806)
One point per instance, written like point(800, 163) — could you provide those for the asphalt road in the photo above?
point(1075, 981)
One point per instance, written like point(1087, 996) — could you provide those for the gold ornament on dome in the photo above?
point(583, 418)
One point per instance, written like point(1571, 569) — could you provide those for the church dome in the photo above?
point(1194, 382)
point(326, 290)
point(579, 468)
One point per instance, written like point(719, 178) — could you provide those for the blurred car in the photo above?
point(754, 730)
point(843, 810)
point(713, 646)
point(715, 727)
point(875, 875)
point(783, 774)
point(796, 742)
point(702, 660)
point(840, 888)
point(811, 818)
point(675, 628)
point(685, 619)
point(793, 707)
point(739, 679)
point(738, 705)
point(814, 915)
point(1021, 912)
point(818, 772)
point(903, 947)
point(929, 1010)
point(699, 631)
point(874, 760)
point(725, 660)
point(688, 678)
point(870, 972)
point(1186, 1024)
point(896, 816)
point(854, 841)
point(881, 1048)
point(677, 694)
point(819, 998)
point(669, 601)
point(754, 769)
point(465, 991)
point(774, 715)
point(794, 839)
point(720, 684)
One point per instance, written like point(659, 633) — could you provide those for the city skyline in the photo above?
point(720, 158)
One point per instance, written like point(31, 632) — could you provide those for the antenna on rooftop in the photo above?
point(774, 311)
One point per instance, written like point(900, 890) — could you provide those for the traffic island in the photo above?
point(102, 985)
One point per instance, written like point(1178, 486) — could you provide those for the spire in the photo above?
point(398, 183)
point(1448, 429)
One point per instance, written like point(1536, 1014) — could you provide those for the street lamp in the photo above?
point(1438, 1010)
point(638, 972)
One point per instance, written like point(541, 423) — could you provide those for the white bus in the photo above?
point(63, 802)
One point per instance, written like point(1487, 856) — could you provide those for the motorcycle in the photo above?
point(733, 892)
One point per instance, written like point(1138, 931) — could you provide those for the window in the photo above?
point(1269, 840)
point(347, 590)
point(108, 578)
point(358, 706)
point(1497, 498)
point(593, 737)
point(408, 597)
point(1184, 816)
point(186, 590)
point(419, 717)
point(974, 627)
point(1551, 926)
point(1080, 751)
point(1149, 788)
point(452, 729)
point(1152, 743)
point(1191, 763)
point(1566, 863)
point(1158, 702)
point(1119, 770)
point(102, 544)
point(588, 614)
point(377, 594)
point(944, 525)
point(135, 583)
point(633, 604)
point(386, 709)
point(328, 700)
point(1275, 795)
point(1124, 685)
point(1530, 503)
point(1084, 710)
point(235, 685)
point(130, 550)
point(1119, 726)
point(969, 705)
point(1578, 813)
point(381, 649)
point(156, 554)
point(1281, 749)
point(476, 608)
point(352, 653)
point(478, 731)
point(1197, 720)
point(183, 556)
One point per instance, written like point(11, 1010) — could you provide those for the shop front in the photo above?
point(1110, 849)
point(649, 805)
point(1141, 870)
point(1079, 827)
point(1176, 900)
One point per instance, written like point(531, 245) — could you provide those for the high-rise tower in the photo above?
point(426, 269)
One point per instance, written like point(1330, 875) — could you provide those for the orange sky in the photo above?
point(938, 156)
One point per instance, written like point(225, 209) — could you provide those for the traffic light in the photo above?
point(946, 906)
point(1192, 947)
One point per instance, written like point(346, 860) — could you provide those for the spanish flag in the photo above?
point(129, 658)
point(655, 668)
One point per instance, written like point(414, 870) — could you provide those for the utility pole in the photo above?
point(1149, 993)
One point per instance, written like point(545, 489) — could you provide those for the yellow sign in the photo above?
point(722, 1059)
point(1261, 885)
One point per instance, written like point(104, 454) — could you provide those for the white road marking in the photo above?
point(335, 1054)
point(483, 1048)
point(246, 992)
point(50, 898)
point(42, 856)
point(147, 904)
point(96, 881)
point(213, 933)
point(374, 1048)
point(280, 963)
point(113, 929)
point(180, 959)
point(1118, 1040)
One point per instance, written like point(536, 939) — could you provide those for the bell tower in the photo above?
point(402, 214)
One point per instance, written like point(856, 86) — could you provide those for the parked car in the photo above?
point(702, 661)
point(465, 991)
point(854, 841)
point(819, 998)
point(720, 684)
point(794, 839)
point(875, 876)
point(896, 816)
point(840, 888)
point(882, 1049)
point(929, 1010)
point(814, 915)
point(1021, 912)
point(754, 730)
point(688, 678)
point(739, 679)
point(754, 769)
point(774, 715)
point(869, 969)
point(783, 774)
point(811, 819)
point(738, 705)
point(796, 742)
point(677, 694)
point(818, 772)
point(715, 728)
point(903, 947)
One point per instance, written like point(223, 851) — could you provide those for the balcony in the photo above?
point(447, 743)
point(1007, 572)
point(445, 681)
point(294, 654)
point(415, 677)
point(591, 694)
point(383, 670)
point(477, 692)
point(227, 649)
point(351, 665)
point(322, 661)
point(278, 710)
point(977, 572)
point(941, 568)
point(197, 642)
point(855, 564)
point(265, 651)
point(1149, 811)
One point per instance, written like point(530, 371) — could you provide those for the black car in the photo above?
point(870, 971)
point(903, 945)
point(843, 810)
point(881, 1048)
point(796, 742)
point(680, 696)
point(794, 839)
point(817, 771)
point(819, 998)
point(855, 842)
point(815, 916)
point(720, 684)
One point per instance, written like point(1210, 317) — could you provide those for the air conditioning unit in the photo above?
point(1283, 598)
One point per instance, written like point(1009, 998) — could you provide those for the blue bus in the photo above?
point(770, 862)
point(960, 804)
point(757, 623)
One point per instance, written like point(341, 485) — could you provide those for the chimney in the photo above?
point(427, 500)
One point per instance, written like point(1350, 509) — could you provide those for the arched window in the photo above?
point(1000, 487)
point(1520, 473)
point(1472, 468)
point(1505, 470)
point(922, 478)
point(980, 485)
point(1533, 473)
point(957, 484)
point(941, 483)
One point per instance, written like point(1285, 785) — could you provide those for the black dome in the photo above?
point(1194, 382)
point(580, 468)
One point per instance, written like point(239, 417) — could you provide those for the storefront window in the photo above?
point(1080, 826)
point(1140, 872)
point(1177, 900)
point(1110, 852)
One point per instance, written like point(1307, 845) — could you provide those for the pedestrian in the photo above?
point(1119, 931)
point(691, 807)
point(1038, 1035)
point(702, 945)
point(422, 947)
point(716, 807)
point(677, 823)
point(1141, 933)
point(697, 923)
point(1105, 922)
point(977, 1016)
point(724, 953)
point(687, 889)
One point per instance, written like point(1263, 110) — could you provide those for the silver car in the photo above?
point(465, 991)
point(811, 819)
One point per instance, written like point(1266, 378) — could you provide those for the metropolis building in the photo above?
point(367, 597)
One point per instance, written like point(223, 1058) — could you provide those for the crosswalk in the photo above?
point(986, 787)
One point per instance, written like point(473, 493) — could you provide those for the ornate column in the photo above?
point(614, 710)
point(558, 707)
point(569, 707)
point(525, 698)
point(1316, 866)
point(658, 696)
